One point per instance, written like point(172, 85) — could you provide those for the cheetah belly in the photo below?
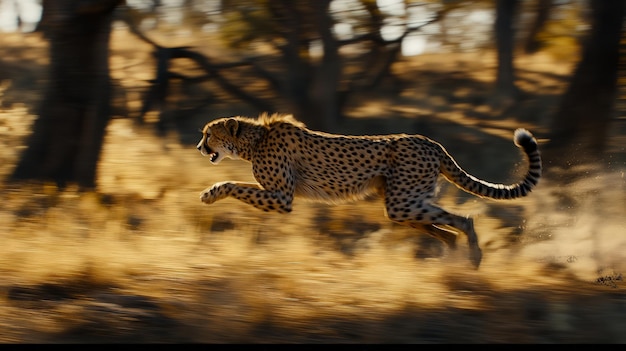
point(336, 189)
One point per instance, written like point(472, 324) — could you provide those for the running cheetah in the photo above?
point(289, 160)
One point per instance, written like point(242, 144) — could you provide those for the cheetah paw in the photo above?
point(216, 192)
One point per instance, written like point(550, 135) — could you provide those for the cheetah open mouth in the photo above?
point(213, 156)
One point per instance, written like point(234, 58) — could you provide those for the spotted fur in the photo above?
point(289, 160)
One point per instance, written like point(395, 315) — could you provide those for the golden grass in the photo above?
point(145, 233)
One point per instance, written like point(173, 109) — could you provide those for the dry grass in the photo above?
point(143, 260)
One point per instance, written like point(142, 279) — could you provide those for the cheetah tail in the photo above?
point(522, 139)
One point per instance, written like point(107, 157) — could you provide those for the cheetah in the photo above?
point(288, 160)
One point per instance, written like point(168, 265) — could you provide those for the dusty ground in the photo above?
point(142, 260)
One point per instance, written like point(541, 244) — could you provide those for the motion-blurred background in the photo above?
point(104, 239)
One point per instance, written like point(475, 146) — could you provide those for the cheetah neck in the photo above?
point(249, 140)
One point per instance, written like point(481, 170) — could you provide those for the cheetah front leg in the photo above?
point(250, 193)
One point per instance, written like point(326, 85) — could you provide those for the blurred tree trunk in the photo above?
point(311, 88)
point(506, 91)
point(579, 129)
point(298, 68)
point(314, 89)
point(325, 90)
point(67, 138)
point(532, 44)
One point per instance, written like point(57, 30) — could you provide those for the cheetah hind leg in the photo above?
point(476, 254)
point(446, 236)
point(466, 225)
point(463, 224)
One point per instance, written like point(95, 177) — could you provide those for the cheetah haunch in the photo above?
point(289, 160)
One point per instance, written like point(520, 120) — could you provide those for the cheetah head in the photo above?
point(219, 139)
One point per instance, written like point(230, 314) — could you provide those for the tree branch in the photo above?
point(159, 88)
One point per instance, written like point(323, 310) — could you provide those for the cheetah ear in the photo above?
point(232, 126)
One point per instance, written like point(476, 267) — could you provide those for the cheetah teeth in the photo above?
point(213, 156)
